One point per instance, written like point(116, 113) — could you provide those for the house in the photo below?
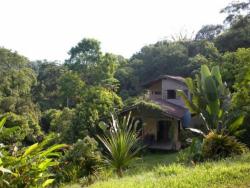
point(163, 114)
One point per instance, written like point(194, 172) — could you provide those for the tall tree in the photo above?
point(237, 36)
point(70, 88)
point(84, 58)
point(97, 103)
point(209, 32)
point(235, 11)
point(233, 65)
point(237, 23)
point(16, 76)
point(46, 93)
point(16, 81)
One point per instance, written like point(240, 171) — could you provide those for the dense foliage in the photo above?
point(66, 101)
point(83, 159)
point(27, 167)
point(210, 100)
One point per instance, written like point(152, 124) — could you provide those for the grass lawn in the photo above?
point(160, 170)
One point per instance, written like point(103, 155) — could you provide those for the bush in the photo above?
point(29, 167)
point(217, 146)
point(193, 153)
point(60, 121)
point(47, 117)
point(20, 129)
point(81, 160)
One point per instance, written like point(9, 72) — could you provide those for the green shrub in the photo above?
point(81, 160)
point(60, 121)
point(30, 167)
point(193, 153)
point(20, 129)
point(217, 146)
point(47, 117)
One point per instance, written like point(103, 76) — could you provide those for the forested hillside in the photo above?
point(64, 102)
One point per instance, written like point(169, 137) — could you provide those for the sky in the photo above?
point(47, 29)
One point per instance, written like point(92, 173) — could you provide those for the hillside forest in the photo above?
point(55, 108)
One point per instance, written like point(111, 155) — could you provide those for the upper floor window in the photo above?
point(171, 94)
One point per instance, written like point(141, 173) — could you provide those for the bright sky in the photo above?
point(47, 29)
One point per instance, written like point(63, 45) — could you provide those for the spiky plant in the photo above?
point(121, 142)
point(217, 146)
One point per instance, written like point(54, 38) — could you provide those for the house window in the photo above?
point(171, 94)
point(157, 92)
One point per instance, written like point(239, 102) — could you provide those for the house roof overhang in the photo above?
point(165, 108)
point(178, 79)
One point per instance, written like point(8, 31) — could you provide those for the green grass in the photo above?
point(150, 161)
point(160, 170)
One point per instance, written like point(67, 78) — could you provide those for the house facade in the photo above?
point(164, 114)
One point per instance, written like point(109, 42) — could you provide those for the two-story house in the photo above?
point(160, 127)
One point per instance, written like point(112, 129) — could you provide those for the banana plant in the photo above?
point(210, 100)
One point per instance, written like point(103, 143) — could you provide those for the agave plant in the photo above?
point(217, 146)
point(121, 142)
point(211, 100)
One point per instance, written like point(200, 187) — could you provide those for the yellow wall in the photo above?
point(149, 126)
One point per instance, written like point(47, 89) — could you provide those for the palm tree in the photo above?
point(121, 142)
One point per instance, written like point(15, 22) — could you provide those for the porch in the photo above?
point(161, 134)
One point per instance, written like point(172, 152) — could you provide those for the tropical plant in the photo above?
point(217, 146)
point(3, 170)
point(28, 167)
point(193, 153)
point(81, 160)
point(121, 142)
point(97, 103)
point(211, 100)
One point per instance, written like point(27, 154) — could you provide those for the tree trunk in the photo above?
point(119, 172)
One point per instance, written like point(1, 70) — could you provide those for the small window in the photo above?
point(171, 94)
point(157, 92)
